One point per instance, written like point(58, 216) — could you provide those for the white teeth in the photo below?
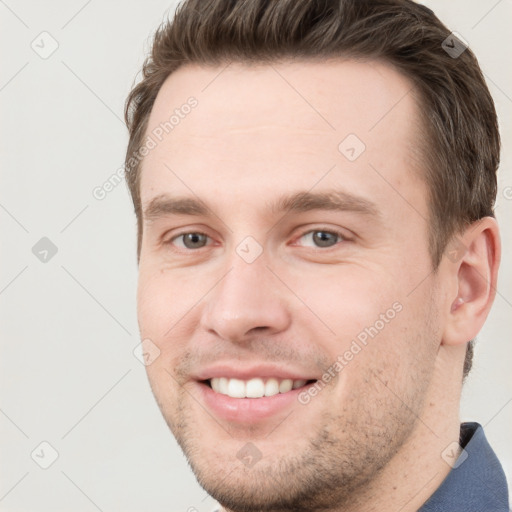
point(254, 388)
point(285, 385)
point(215, 385)
point(223, 385)
point(271, 387)
point(236, 388)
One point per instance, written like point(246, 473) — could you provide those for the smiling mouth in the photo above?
point(255, 387)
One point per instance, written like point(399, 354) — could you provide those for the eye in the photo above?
point(322, 238)
point(189, 240)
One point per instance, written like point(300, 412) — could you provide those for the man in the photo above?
point(314, 186)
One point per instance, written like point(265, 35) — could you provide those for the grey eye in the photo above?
point(192, 240)
point(322, 238)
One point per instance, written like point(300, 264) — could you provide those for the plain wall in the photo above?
point(67, 369)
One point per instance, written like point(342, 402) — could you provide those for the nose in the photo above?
point(248, 301)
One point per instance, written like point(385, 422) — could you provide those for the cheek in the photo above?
point(348, 301)
point(150, 304)
point(160, 306)
point(162, 311)
point(164, 301)
point(373, 321)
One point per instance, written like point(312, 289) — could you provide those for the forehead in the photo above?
point(281, 126)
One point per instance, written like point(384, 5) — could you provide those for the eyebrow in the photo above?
point(338, 200)
point(331, 200)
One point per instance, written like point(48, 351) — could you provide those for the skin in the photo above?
point(372, 439)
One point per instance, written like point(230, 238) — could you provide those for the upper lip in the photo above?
point(237, 371)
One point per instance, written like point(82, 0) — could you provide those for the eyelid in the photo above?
point(169, 234)
point(334, 231)
point(170, 240)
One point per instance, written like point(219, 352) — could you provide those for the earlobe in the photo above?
point(475, 274)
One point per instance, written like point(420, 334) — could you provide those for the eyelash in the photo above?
point(330, 231)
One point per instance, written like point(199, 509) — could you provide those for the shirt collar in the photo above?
point(476, 482)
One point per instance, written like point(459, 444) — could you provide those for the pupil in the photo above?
point(324, 240)
point(192, 239)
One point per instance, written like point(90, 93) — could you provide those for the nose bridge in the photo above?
point(247, 298)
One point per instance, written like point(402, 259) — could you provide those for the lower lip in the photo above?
point(247, 410)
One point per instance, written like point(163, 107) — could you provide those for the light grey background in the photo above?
point(68, 373)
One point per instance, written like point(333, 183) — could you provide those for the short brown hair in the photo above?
point(461, 146)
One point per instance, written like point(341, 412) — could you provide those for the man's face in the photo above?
point(248, 288)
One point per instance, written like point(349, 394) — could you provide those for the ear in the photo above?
point(473, 261)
